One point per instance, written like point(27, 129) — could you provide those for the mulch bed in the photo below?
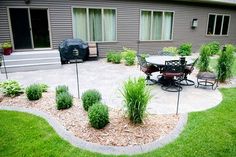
point(119, 132)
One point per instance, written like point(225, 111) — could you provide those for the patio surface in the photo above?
point(108, 78)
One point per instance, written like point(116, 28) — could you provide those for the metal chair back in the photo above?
point(174, 66)
point(194, 63)
point(142, 61)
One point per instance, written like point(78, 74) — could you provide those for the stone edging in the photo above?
point(115, 150)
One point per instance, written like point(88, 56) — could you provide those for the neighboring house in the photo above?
point(144, 25)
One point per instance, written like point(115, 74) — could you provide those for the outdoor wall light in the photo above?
point(194, 23)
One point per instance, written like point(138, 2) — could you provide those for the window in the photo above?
point(156, 25)
point(94, 24)
point(218, 24)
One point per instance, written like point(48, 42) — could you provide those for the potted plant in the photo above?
point(7, 48)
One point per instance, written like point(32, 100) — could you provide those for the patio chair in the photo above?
point(165, 53)
point(187, 71)
point(147, 69)
point(173, 73)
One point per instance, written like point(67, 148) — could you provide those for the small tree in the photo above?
point(204, 60)
point(225, 63)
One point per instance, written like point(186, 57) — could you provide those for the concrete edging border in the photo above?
point(115, 150)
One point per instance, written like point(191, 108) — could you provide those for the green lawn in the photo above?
point(213, 64)
point(211, 133)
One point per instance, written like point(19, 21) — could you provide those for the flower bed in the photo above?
point(119, 132)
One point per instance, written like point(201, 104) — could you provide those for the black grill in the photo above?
point(67, 47)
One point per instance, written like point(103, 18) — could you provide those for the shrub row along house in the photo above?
point(146, 26)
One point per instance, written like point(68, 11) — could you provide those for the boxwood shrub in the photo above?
point(90, 97)
point(98, 115)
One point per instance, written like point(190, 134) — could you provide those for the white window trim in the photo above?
point(163, 11)
point(223, 15)
point(87, 14)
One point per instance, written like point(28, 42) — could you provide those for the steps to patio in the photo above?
point(31, 61)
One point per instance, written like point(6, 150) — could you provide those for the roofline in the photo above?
point(219, 2)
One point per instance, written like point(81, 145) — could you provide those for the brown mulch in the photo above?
point(119, 132)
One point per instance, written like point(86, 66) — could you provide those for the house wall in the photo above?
point(128, 16)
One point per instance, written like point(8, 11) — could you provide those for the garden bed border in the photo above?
point(93, 147)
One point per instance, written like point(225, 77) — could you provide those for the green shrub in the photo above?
point(109, 56)
point(90, 97)
point(64, 100)
point(172, 50)
point(44, 87)
point(225, 63)
point(204, 59)
point(116, 58)
point(136, 97)
point(185, 49)
point(62, 89)
point(214, 47)
point(11, 88)
point(98, 115)
point(129, 56)
point(34, 92)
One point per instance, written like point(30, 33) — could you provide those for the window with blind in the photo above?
point(94, 24)
point(218, 24)
point(156, 25)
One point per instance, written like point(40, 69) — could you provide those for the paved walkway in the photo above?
point(108, 79)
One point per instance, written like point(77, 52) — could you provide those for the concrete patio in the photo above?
point(108, 79)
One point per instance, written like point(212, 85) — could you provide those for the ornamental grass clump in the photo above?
point(98, 115)
point(185, 49)
point(11, 88)
point(64, 100)
point(90, 97)
point(204, 59)
point(136, 97)
point(34, 92)
point(225, 63)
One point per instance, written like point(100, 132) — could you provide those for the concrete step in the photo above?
point(31, 67)
point(32, 54)
point(31, 61)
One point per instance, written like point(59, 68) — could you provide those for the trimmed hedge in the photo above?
point(98, 115)
point(90, 97)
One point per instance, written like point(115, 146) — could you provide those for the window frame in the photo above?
point(222, 23)
point(87, 14)
point(163, 12)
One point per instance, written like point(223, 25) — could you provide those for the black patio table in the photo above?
point(159, 61)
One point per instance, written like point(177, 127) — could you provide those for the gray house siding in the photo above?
point(128, 16)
